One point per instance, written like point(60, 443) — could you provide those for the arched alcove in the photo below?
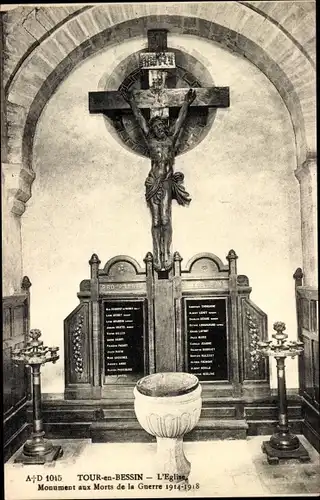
point(89, 190)
point(100, 26)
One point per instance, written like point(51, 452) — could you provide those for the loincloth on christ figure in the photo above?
point(156, 188)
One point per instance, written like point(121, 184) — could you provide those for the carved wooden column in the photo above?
point(25, 288)
point(95, 323)
point(177, 296)
point(148, 260)
point(297, 276)
point(232, 259)
point(307, 177)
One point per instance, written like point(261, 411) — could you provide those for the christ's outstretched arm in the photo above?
point(136, 112)
point(189, 98)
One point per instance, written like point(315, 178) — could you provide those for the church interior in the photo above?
point(158, 169)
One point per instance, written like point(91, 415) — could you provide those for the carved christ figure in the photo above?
point(162, 183)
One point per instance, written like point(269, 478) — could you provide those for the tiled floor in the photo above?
point(218, 468)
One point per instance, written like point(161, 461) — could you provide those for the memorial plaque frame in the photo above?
point(126, 378)
point(123, 280)
point(205, 276)
point(186, 365)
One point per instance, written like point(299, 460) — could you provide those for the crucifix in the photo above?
point(162, 184)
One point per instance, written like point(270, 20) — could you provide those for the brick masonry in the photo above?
point(51, 41)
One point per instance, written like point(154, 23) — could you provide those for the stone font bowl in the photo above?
point(168, 405)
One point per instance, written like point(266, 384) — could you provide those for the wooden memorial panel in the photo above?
point(131, 322)
point(109, 336)
point(124, 340)
point(218, 327)
point(207, 338)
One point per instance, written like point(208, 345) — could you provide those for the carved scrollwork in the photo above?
point(76, 339)
point(254, 338)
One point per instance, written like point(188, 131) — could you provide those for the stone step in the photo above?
point(129, 430)
point(223, 412)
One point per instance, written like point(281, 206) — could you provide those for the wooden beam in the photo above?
point(169, 98)
point(157, 40)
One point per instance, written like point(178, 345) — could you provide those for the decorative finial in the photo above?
point(177, 257)
point(26, 283)
point(279, 326)
point(242, 280)
point(94, 259)
point(148, 257)
point(280, 336)
point(232, 255)
point(35, 334)
point(298, 274)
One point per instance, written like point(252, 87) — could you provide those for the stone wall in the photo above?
point(55, 39)
point(43, 45)
point(88, 195)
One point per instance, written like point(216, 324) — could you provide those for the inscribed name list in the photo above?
point(207, 338)
point(123, 326)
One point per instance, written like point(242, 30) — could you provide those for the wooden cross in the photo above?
point(158, 98)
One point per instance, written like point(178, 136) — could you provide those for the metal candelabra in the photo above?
point(282, 444)
point(38, 450)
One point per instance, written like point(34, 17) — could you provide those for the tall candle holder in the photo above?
point(282, 444)
point(38, 450)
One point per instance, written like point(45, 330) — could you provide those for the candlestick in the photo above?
point(282, 444)
point(38, 450)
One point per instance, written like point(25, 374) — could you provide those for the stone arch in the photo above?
point(232, 25)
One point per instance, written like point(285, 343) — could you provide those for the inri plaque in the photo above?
point(124, 334)
point(206, 322)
